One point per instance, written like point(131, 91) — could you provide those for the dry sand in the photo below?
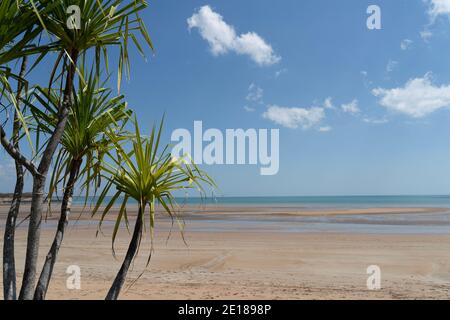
point(252, 264)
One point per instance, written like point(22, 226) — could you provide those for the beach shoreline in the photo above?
point(252, 261)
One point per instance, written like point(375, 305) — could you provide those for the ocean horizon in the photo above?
point(308, 201)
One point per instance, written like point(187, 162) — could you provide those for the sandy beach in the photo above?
point(253, 253)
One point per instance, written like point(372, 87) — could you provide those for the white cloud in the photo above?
point(249, 109)
point(255, 93)
point(392, 64)
point(325, 129)
point(406, 44)
point(295, 117)
point(213, 29)
point(438, 8)
point(418, 98)
point(254, 46)
point(222, 38)
point(328, 103)
point(351, 107)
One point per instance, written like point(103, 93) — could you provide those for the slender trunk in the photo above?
point(9, 263)
point(47, 270)
point(117, 285)
point(37, 201)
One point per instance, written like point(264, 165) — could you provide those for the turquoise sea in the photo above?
point(436, 222)
point(317, 201)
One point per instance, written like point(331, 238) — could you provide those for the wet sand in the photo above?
point(227, 259)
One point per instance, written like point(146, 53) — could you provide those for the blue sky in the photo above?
point(359, 111)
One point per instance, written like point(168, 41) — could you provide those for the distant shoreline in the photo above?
point(6, 198)
point(195, 211)
point(308, 202)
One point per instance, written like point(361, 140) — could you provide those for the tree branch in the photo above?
point(16, 155)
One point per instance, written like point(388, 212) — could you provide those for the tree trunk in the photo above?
point(47, 270)
point(37, 201)
point(9, 263)
point(117, 285)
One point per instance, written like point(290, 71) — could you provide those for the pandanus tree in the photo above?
point(83, 145)
point(19, 29)
point(151, 178)
point(9, 269)
point(103, 24)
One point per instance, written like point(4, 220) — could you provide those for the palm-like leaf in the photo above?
point(82, 147)
point(18, 18)
point(150, 176)
point(19, 28)
point(94, 111)
point(103, 24)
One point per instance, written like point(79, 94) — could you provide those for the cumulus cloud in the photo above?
point(406, 44)
point(351, 107)
point(295, 117)
point(249, 109)
point(417, 98)
point(222, 38)
point(438, 8)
